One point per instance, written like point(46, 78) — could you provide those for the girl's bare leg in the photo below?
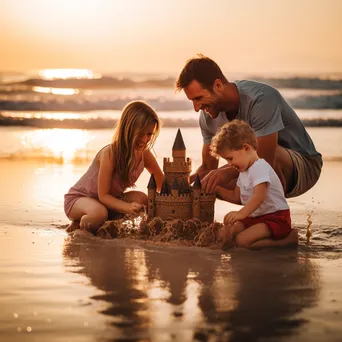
point(90, 213)
point(73, 226)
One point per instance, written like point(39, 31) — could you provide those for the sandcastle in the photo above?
point(177, 198)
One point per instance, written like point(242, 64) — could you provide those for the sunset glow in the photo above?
point(159, 36)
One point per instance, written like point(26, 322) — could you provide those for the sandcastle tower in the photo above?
point(177, 199)
point(180, 167)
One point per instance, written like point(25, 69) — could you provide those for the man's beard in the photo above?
point(231, 115)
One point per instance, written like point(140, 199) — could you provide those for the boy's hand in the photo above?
point(233, 217)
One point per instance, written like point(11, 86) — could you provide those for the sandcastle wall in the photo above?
point(174, 206)
point(183, 206)
point(207, 207)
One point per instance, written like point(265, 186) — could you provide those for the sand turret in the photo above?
point(152, 190)
point(180, 166)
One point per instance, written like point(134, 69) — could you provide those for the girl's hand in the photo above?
point(233, 217)
point(134, 208)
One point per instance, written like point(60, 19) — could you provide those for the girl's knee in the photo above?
point(141, 198)
point(101, 214)
point(97, 216)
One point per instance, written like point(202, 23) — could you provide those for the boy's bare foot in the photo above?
point(226, 237)
point(292, 238)
point(73, 226)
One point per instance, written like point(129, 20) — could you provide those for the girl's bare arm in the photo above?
point(152, 166)
point(105, 182)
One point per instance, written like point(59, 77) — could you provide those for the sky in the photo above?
point(158, 36)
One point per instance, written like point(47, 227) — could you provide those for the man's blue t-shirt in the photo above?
point(267, 112)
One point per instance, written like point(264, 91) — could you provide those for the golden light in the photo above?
point(61, 145)
point(51, 74)
point(56, 91)
point(57, 116)
point(45, 115)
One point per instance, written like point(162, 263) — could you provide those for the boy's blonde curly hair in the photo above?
point(232, 136)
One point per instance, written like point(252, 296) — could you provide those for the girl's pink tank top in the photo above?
point(87, 184)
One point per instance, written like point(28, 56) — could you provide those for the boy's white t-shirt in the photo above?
point(261, 172)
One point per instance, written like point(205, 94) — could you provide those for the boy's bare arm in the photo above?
point(259, 194)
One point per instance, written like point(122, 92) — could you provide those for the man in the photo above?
point(282, 138)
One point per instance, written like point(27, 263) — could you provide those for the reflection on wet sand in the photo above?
point(274, 288)
point(164, 294)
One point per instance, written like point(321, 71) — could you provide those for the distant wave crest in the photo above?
point(42, 102)
point(126, 82)
point(94, 123)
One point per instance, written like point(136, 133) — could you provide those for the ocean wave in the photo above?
point(317, 102)
point(113, 82)
point(48, 102)
point(88, 104)
point(100, 122)
point(95, 83)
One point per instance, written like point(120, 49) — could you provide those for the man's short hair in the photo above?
point(202, 69)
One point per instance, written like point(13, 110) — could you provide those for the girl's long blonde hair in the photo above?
point(135, 118)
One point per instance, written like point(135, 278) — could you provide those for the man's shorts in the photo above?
point(307, 171)
point(279, 223)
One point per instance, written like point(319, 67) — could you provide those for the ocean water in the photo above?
point(83, 99)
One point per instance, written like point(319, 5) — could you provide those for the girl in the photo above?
point(264, 220)
point(100, 192)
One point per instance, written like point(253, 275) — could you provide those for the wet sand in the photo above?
point(57, 288)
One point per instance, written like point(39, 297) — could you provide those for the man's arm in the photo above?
point(208, 163)
point(267, 146)
point(232, 196)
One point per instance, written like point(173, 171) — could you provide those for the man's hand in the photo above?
point(214, 178)
point(233, 217)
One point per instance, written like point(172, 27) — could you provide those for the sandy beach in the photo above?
point(60, 288)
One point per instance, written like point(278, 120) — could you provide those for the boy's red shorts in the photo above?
point(278, 222)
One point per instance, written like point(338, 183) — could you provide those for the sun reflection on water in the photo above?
point(56, 91)
point(62, 145)
point(68, 73)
